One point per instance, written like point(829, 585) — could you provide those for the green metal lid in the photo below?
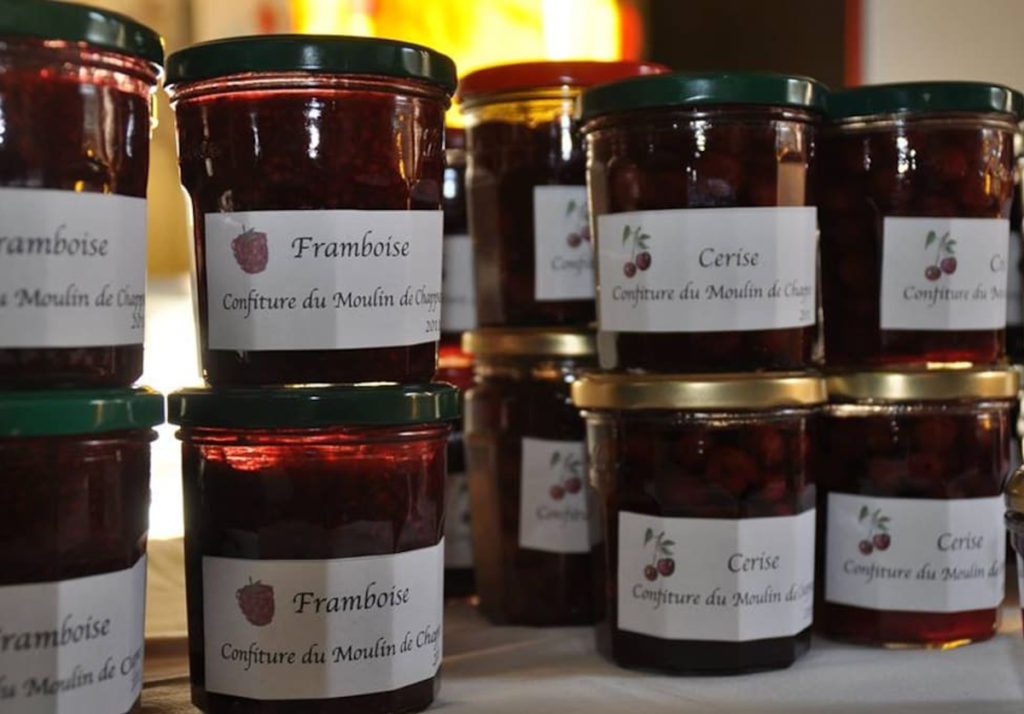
point(670, 90)
point(312, 407)
point(321, 54)
point(80, 23)
point(78, 411)
point(925, 98)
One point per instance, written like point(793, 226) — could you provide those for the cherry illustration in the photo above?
point(574, 240)
point(557, 492)
point(573, 485)
point(650, 573)
point(881, 541)
point(666, 566)
point(865, 547)
point(948, 265)
point(629, 269)
point(643, 260)
point(250, 251)
point(256, 601)
point(933, 272)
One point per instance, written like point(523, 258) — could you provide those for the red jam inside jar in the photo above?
point(75, 91)
point(534, 528)
point(702, 194)
point(707, 489)
point(911, 545)
point(1015, 278)
point(75, 480)
point(316, 188)
point(527, 190)
point(313, 523)
point(458, 286)
point(916, 183)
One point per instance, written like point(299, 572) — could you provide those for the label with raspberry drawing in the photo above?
point(715, 579)
point(322, 629)
point(944, 273)
point(563, 257)
point(75, 645)
point(458, 286)
point(458, 535)
point(915, 554)
point(555, 506)
point(345, 279)
point(708, 270)
point(1014, 298)
point(72, 268)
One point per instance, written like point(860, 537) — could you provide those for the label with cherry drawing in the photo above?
point(563, 256)
point(915, 554)
point(556, 508)
point(944, 273)
point(715, 579)
point(708, 270)
point(322, 629)
point(339, 279)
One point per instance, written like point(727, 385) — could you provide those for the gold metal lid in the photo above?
point(1015, 491)
point(925, 385)
point(529, 342)
point(698, 391)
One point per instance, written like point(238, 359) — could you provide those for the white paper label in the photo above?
point(72, 268)
point(75, 646)
point(708, 269)
point(458, 535)
point(916, 555)
point(322, 629)
point(944, 273)
point(458, 286)
point(716, 579)
point(555, 504)
point(297, 280)
point(563, 256)
point(1014, 305)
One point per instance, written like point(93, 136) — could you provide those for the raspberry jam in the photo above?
point(707, 488)
point(911, 546)
point(527, 190)
point(916, 183)
point(315, 168)
point(75, 480)
point(534, 529)
point(75, 92)
point(701, 188)
point(314, 545)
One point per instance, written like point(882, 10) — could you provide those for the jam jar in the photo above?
point(1015, 524)
point(527, 190)
point(701, 188)
point(315, 168)
point(707, 486)
point(912, 548)
point(916, 183)
point(313, 545)
point(458, 288)
point(534, 528)
point(75, 484)
point(76, 88)
point(1014, 279)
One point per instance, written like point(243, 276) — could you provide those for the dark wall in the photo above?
point(792, 36)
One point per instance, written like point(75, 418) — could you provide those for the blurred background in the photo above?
point(840, 42)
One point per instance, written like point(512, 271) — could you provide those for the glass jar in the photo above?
point(703, 201)
point(1015, 525)
point(76, 86)
point(458, 289)
point(1014, 278)
point(313, 556)
point(527, 190)
point(916, 185)
point(534, 530)
point(912, 549)
point(707, 486)
point(75, 484)
point(315, 168)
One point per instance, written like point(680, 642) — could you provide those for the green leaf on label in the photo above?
point(932, 237)
point(883, 527)
point(648, 535)
point(644, 236)
point(572, 207)
point(884, 519)
point(625, 235)
point(863, 513)
point(555, 457)
point(664, 550)
point(668, 542)
point(949, 246)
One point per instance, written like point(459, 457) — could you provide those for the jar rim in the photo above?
point(78, 411)
point(70, 22)
point(530, 342)
point(924, 384)
point(316, 54)
point(924, 98)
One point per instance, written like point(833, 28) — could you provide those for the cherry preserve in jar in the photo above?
point(75, 485)
point(534, 529)
point(76, 86)
point(916, 183)
point(1014, 279)
point(707, 485)
point(315, 168)
point(910, 515)
point(527, 189)
point(314, 546)
point(701, 188)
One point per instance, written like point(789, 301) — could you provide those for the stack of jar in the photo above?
point(76, 86)
point(314, 462)
point(533, 524)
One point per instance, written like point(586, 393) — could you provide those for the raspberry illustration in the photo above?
point(574, 240)
point(629, 269)
point(948, 265)
point(865, 547)
point(256, 601)
point(250, 250)
point(573, 485)
point(666, 566)
point(650, 573)
point(557, 492)
point(661, 563)
point(643, 260)
point(932, 272)
point(881, 541)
